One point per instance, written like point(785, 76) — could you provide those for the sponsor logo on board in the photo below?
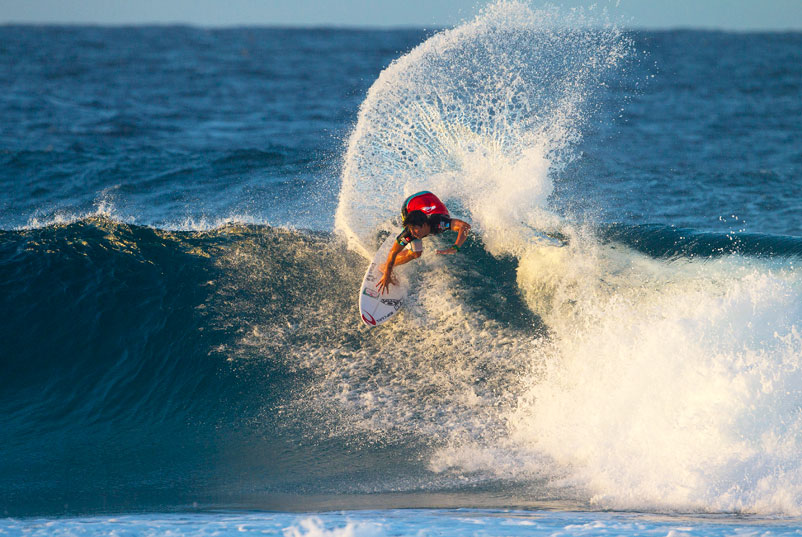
point(394, 302)
point(373, 293)
point(368, 318)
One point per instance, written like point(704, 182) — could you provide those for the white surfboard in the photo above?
point(377, 308)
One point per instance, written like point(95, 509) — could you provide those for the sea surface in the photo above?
point(186, 215)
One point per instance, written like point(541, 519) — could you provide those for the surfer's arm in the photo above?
point(387, 269)
point(462, 228)
point(397, 256)
point(405, 257)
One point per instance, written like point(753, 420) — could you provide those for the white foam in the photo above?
point(103, 207)
point(482, 115)
point(315, 527)
point(664, 385)
point(204, 223)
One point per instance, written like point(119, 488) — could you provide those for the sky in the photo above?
point(739, 15)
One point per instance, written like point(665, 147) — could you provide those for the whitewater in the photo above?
point(655, 384)
point(179, 267)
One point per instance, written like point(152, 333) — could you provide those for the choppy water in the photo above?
point(184, 217)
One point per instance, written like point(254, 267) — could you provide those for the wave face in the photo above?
point(147, 368)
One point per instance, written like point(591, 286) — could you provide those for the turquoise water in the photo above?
point(402, 522)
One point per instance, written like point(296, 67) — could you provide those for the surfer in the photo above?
point(423, 214)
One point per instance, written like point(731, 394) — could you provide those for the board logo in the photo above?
point(394, 302)
point(371, 292)
point(368, 318)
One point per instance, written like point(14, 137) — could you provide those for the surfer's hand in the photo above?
point(448, 251)
point(386, 280)
point(384, 283)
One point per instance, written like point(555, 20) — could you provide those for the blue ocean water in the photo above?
point(184, 220)
point(398, 522)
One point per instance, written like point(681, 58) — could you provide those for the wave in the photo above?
point(134, 356)
point(231, 362)
point(667, 381)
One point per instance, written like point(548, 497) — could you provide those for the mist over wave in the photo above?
point(482, 115)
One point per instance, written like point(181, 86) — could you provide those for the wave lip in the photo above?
point(672, 242)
